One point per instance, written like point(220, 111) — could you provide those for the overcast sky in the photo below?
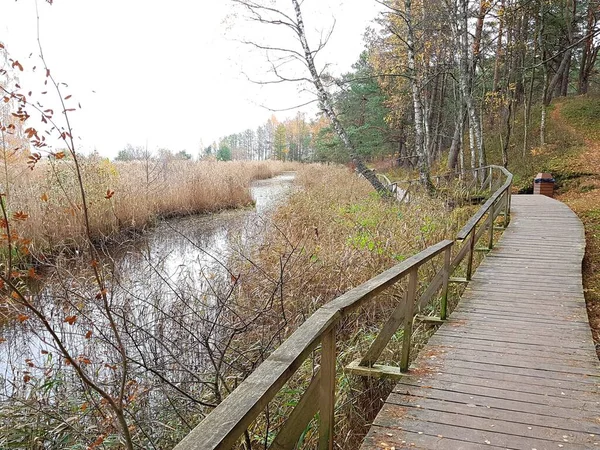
point(172, 73)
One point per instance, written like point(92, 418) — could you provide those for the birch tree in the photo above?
point(264, 13)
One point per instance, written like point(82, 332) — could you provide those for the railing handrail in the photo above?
point(227, 422)
point(474, 220)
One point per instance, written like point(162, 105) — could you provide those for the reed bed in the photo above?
point(123, 196)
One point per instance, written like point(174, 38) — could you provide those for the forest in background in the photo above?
point(437, 77)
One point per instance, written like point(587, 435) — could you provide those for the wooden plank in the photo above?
point(513, 431)
point(494, 402)
point(511, 348)
point(386, 439)
point(408, 319)
point(565, 425)
point(474, 435)
point(487, 372)
point(482, 336)
point(553, 402)
point(511, 385)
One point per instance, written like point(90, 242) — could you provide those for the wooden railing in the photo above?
point(223, 427)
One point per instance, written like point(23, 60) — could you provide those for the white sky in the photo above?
point(167, 72)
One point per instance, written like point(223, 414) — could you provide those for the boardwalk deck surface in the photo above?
point(515, 366)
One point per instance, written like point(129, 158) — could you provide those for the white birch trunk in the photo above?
point(422, 163)
point(326, 105)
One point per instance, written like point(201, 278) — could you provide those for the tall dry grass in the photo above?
point(123, 195)
point(332, 235)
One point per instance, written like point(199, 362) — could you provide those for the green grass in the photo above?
point(583, 113)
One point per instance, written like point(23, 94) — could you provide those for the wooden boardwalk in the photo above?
point(515, 366)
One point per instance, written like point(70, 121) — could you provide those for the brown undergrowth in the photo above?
point(331, 236)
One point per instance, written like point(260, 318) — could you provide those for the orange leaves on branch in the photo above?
point(101, 294)
point(68, 97)
point(59, 155)
point(44, 197)
point(84, 359)
point(26, 378)
point(88, 334)
point(20, 215)
point(33, 160)
point(31, 133)
point(22, 318)
point(32, 274)
point(109, 194)
point(18, 65)
point(97, 443)
point(70, 319)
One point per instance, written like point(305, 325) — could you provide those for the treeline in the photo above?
point(289, 140)
point(438, 77)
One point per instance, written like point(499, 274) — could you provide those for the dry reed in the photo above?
point(331, 236)
point(124, 195)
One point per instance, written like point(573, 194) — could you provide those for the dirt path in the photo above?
point(589, 159)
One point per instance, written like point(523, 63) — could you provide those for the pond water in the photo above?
point(181, 261)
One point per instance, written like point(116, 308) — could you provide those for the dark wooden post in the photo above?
point(491, 213)
point(471, 251)
point(327, 390)
point(408, 318)
point(444, 304)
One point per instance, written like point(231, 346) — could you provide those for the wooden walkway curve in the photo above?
point(515, 366)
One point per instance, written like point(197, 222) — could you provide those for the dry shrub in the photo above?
point(332, 235)
point(125, 195)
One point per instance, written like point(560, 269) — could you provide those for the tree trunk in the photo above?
point(416, 90)
point(326, 104)
point(466, 81)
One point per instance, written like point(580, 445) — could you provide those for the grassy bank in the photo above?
point(122, 195)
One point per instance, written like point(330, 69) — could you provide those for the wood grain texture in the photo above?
point(515, 366)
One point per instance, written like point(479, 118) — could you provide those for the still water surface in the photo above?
point(178, 256)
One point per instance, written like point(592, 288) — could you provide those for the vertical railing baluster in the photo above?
point(471, 251)
point(327, 390)
point(408, 318)
point(491, 213)
point(444, 303)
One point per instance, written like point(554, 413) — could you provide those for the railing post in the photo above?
point(327, 390)
point(491, 178)
point(444, 303)
point(471, 251)
point(408, 318)
point(508, 200)
point(491, 213)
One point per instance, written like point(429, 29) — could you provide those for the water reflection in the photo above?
point(162, 286)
